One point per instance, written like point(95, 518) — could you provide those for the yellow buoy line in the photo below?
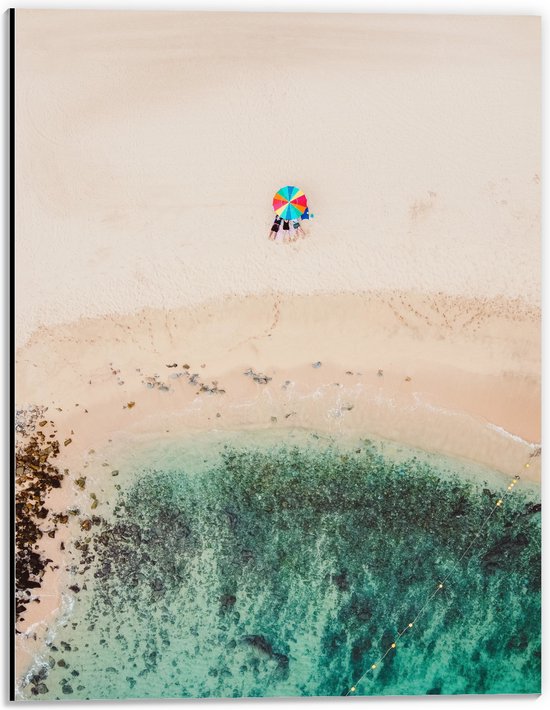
point(439, 586)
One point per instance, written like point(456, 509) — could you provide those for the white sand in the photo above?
point(150, 145)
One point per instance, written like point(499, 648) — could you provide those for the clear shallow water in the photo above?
point(289, 570)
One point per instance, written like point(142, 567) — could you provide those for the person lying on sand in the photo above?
point(286, 230)
point(298, 231)
point(275, 227)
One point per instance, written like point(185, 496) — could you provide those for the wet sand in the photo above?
point(418, 355)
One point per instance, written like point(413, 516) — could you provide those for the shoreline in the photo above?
point(451, 377)
point(475, 356)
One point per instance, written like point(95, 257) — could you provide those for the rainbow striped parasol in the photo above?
point(289, 202)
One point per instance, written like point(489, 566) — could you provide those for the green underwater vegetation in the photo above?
point(290, 571)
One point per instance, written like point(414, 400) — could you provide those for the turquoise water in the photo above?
point(289, 570)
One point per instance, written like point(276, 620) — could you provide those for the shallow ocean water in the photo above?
point(288, 570)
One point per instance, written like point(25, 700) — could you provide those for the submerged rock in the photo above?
point(268, 558)
point(260, 643)
point(341, 581)
point(227, 601)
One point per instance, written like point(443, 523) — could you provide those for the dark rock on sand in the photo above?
point(35, 476)
point(258, 377)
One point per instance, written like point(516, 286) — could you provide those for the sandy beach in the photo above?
point(398, 361)
point(154, 306)
point(152, 188)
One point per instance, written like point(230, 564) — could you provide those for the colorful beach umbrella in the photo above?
point(289, 202)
